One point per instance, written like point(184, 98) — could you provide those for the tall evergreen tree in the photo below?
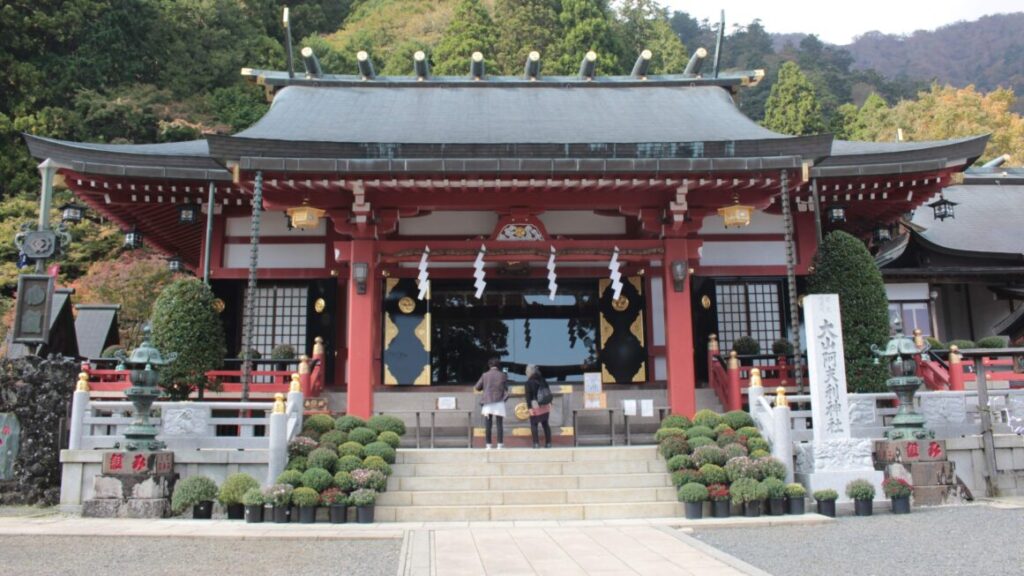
point(586, 25)
point(471, 30)
point(792, 107)
point(523, 26)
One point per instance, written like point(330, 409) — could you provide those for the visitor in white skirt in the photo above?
point(494, 385)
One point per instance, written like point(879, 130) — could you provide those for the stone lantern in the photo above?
point(144, 363)
point(899, 354)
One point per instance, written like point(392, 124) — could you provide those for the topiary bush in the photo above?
point(351, 448)
point(282, 352)
point(758, 444)
point(336, 437)
point(700, 441)
point(301, 446)
point(782, 347)
point(348, 463)
point(726, 437)
point(390, 438)
point(844, 266)
point(734, 451)
point(672, 446)
point(774, 487)
point(343, 480)
point(663, 433)
point(363, 497)
point(934, 343)
point(348, 423)
point(737, 419)
point(746, 346)
point(745, 490)
point(254, 497)
point(383, 423)
point(382, 450)
point(992, 342)
point(363, 435)
point(305, 497)
point(714, 474)
point(709, 454)
point(686, 476)
point(333, 496)
point(699, 430)
point(234, 487)
point(769, 467)
point(318, 479)
point(297, 463)
point(192, 491)
point(748, 431)
point(679, 462)
point(961, 344)
point(860, 489)
point(321, 423)
point(795, 491)
point(742, 467)
point(676, 421)
point(707, 418)
point(291, 477)
point(322, 458)
point(692, 492)
point(372, 479)
point(377, 463)
point(185, 322)
point(825, 495)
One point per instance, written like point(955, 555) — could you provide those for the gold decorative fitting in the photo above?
point(705, 302)
point(734, 362)
point(296, 386)
point(713, 343)
point(755, 378)
point(737, 215)
point(780, 397)
point(83, 382)
point(305, 217)
point(279, 403)
point(407, 305)
point(218, 305)
point(303, 364)
point(320, 305)
point(318, 346)
point(522, 411)
point(918, 339)
point(620, 304)
point(954, 354)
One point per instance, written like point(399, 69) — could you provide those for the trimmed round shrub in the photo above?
point(381, 449)
point(771, 468)
point(333, 496)
point(305, 497)
point(348, 423)
point(390, 438)
point(795, 491)
point(322, 423)
point(759, 453)
point(782, 347)
point(722, 427)
point(282, 352)
point(348, 463)
point(709, 454)
point(672, 446)
point(297, 463)
point(746, 346)
point(363, 497)
point(372, 479)
point(351, 448)
point(961, 343)
point(234, 487)
point(685, 476)
point(184, 322)
point(192, 491)
point(934, 343)
point(254, 497)
point(745, 490)
point(663, 433)
point(291, 477)
point(741, 467)
point(679, 462)
point(301, 446)
point(707, 418)
point(377, 463)
point(734, 451)
point(322, 458)
point(700, 441)
point(726, 437)
point(714, 474)
point(311, 434)
point(748, 431)
point(318, 479)
point(774, 487)
point(330, 446)
point(699, 430)
point(343, 480)
point(336, 437)
point(992, 342)
point(860, 489)
point(363, 435)
point(692, 492)
point(825, 495)
point(383, 423)
point(758, 444)
point(737, 419)
point(676, 421)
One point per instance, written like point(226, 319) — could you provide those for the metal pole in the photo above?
point(718, 45)
point(250, 290)
point(47, 170)
point(988, 447)
point(817, 209)
point(209, 235)
point(794, 312)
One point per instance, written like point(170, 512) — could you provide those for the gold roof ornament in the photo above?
point(736, 215)
point(305, 217)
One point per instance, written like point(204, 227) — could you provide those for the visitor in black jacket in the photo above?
point(538, 412)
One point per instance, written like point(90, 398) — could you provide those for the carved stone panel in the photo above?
point(185, 422)
point(943, 409)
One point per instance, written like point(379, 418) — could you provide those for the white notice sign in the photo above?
point(592, 382)
point(826, 367)
point(629, 407)
point(647, 408)
point(446, 403)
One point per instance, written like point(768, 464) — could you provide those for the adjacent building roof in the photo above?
point(96, 328)
point(987, 217)
point(62, 330)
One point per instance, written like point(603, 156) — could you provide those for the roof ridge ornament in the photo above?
point(421, 66)
point(588, 65)
point(696, 61)
point(643, 62)
point(476, 65)
point(365, 65)
point(532, 68)
point(311, 62)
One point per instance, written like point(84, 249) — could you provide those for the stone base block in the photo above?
point(838, 481)
point(937, 495)
point(105, 508)
point(146, 508)
point(932, 474)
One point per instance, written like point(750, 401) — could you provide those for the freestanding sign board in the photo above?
point(826, 367)
point(32, 313)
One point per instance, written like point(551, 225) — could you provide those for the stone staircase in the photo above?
point(525, 484)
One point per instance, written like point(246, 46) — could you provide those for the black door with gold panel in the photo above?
point(623, 352)
point(406, 334)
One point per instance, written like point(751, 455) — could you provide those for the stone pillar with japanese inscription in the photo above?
point(833, 458)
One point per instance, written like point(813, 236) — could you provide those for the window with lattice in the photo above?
point(279, 317)
point(749, 309)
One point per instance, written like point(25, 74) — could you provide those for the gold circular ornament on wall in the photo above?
point(320, 305)
point(218, 305)
point(620, 304)
point(406, 305)
point(705, 302)
point(522, 411)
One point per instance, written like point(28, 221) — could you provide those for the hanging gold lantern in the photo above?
point(736, 215)
point(305, 217)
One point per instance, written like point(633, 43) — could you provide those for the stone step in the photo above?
point(525, 497)
point(528, 512)
point(529, 482)
point(461, 469)
point(585, 454)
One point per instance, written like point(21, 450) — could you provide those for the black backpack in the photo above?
point(544, 395)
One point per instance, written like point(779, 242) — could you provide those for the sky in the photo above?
point(837, 22)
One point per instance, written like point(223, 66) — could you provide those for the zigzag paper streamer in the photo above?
point(424, 276)
point(552, 285)
point(479, 272)
point(616, 276)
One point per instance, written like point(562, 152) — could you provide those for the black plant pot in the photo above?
point(338, 513)
point(796, 506)
point(253, 514)
point(364, 514)
point(752, 509)
point(776, 506)
point(236, 511)
point(282, 514)
point(307, 514)
point(720, 509)
point(694, 510)
point(203, 510)
point(862, 507)
point(827, 508)
point(901, 505)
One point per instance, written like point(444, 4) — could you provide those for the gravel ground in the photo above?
point(92, 556)
point(968, 540)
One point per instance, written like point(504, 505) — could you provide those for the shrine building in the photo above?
point(421, 225)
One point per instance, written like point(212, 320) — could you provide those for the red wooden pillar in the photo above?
point(362, 321)
point(682, 378)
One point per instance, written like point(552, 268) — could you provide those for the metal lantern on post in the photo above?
point(836, 214)
point(942, 208)
point(881, 235)
point(72, 213)
point(133, 239)
point(899, 353)
point(736, 215)
point(175, 264)
point(305, 217)
point(188, 213)
point(144, 363)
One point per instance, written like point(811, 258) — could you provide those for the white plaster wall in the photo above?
point(570, 222)
point(272, 224)
point(907, 291)
point(468, 223)
point(276, 256)
point(743, 254)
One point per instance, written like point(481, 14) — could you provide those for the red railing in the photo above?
point(729, 375)
point(954, 372)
